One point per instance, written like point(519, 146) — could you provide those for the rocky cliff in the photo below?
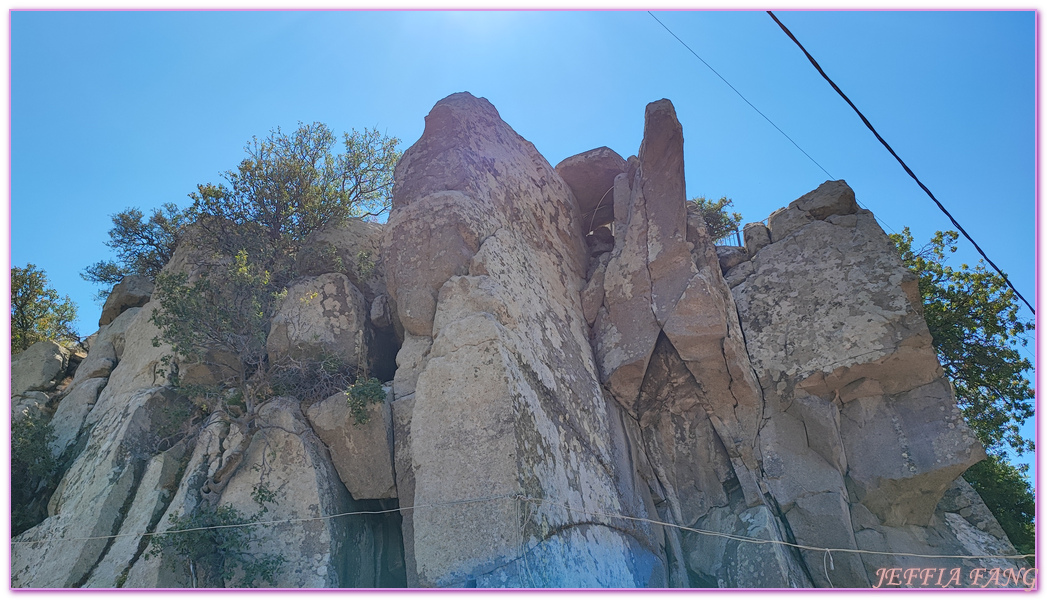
point(586, 393)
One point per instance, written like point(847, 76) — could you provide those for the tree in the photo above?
point(250, 230)
point(717, 219)
point(1010, 498)
point(32, 468)
point(37, 312)
point(291, 185)
point(247, 232)
point(216, 543)
point(973, 318)
point(143, 246)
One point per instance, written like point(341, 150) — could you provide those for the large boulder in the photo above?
point(38, 367)
point(840, 275)
point(352, 248)
point(590, 175)
point(132, 291)
point(107, 347)
point(860, 430)
point(322, 316)
point(72, 411)
point(286, 458)
point(361, 449)
point(485, 259)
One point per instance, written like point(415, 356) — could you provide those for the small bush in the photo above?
point(365, 265)
point(216, 543)
point(362, 394)
point(719, 222)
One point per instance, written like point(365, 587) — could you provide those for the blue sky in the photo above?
point(117, 109)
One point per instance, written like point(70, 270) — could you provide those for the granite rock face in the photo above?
point(846, 364)
point(590, 175)
point(582, 390)
point(360, 451)
point(486, 260)
point(132, 291)
point(320, 316)
point(37, 367)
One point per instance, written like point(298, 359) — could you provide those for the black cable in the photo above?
point(878, 219)
point(740, 94)
point(898, 158)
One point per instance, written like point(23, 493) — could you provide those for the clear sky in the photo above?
point(111, 110)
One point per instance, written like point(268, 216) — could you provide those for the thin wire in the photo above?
point(758, 111)
point(740, 95)
point(272, 522)
point(898, 158)
point(826, 567)
point(742, 538)
point(730, 536)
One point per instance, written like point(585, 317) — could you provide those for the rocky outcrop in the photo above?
point(320, 317)
point(361, 449)
point(590, 175)
point(132, 291)
point(38, 367)
point(587, 393)
point(858, 419)
point(510, 437)
point(136, 452)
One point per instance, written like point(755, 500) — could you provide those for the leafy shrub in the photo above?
point(1009, 497)
point(216, 543)
point(719, 222)
point(365, 265)
point(37, 312)
point(362, 394)
point(31, 465)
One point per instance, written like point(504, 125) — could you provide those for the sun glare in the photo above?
point(480, 23)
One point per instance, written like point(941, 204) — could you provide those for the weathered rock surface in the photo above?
point(590, 175)
point(361, 452)
point(756, 237)
point(132, 291)
point(859, 425)
point(322, 316)
point(352, 248)
point(37, 367)
point(578, 400)
point(731, 256)
point(90, 498)
point(72, 411)
point(485, 256)
point(287, 458)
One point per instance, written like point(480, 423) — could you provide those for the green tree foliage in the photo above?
point(1009, 496)
point(249, 230)
point(143, 246)
point(976, 330)
point(224, 312)
point(31, 466)
point(361, 395)
point(717, 219)
point(973, 318)
point(216, 543)
point(291, 185)
point(37, 312)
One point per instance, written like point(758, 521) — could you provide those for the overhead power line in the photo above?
point(740, 94)
point(759, 112)
point(519, 498)
point(900, 161)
